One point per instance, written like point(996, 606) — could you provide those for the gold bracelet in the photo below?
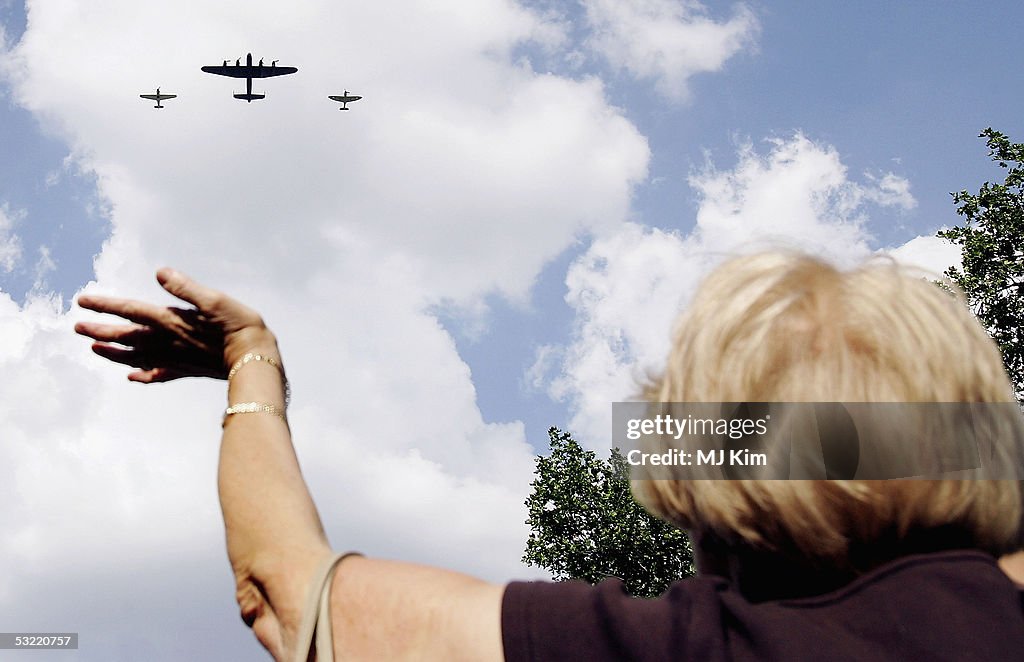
point(253, 356)
point(253, 408)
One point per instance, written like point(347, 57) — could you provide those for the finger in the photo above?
point(123, 334)
point(134, 311)
point(183, 287)
point(129, 357)
point(155, 375)
point(100, 304)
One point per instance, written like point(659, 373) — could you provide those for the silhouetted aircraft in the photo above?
point(344, 99)
point(158, 97)
point(248, 71)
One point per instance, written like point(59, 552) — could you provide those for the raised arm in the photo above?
point(275, 541)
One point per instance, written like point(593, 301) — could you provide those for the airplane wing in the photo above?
point(158, 97)
point(345, 99)
point(234, 72)
point(245, 71)
point(269, 72)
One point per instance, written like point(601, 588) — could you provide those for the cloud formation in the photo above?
point(10, 243)
point(667, 41)
point(928, 253)
point(629, 286)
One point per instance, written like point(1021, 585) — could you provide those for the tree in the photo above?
point(584, 523)
point(992, 246)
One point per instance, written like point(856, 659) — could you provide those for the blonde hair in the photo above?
point(783, 327)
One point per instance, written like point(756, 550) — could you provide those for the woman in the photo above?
point(902, 569)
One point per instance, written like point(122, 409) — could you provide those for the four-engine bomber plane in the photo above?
point(344, 99)
point(158, 97)
point(248, 71)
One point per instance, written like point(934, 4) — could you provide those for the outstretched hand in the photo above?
point(165, 343)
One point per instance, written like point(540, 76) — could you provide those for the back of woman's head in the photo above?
point(782, 327)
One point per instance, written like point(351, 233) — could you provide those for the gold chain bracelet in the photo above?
point(253, 408)
point(253, 356)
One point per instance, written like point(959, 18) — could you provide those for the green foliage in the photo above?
point(584, 523)
point(992, 244)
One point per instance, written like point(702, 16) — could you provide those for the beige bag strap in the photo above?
point(316, 617)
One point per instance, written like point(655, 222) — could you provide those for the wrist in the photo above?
point(248, 340)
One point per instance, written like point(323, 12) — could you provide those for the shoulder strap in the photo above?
point(316, 616)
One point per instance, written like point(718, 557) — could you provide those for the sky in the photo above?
point(493, 241)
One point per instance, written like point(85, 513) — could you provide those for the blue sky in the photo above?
point(493, 241)
point(57, 207)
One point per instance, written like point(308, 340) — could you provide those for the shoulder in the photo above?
point(899, 611)
point(955, 605)
point(574, 620)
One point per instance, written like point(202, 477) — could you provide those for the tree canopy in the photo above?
point(585, 524)
point(992, 246)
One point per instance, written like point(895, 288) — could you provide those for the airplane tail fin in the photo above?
point(250, 97)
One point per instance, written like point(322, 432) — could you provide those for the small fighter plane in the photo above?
point(158, 97)
point(248, 71)
point(344, 99)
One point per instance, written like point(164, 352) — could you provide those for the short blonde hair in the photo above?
point(784, 327)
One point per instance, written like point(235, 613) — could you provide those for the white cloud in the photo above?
point(630, 285)
point(798, 194)
point(475, 168)
point(459, 175)
point(10, 242)
point(928, 253)
point(44, 266)
point(545, 358)
point(667, 41)
point(890, 190)
point(625, 290)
